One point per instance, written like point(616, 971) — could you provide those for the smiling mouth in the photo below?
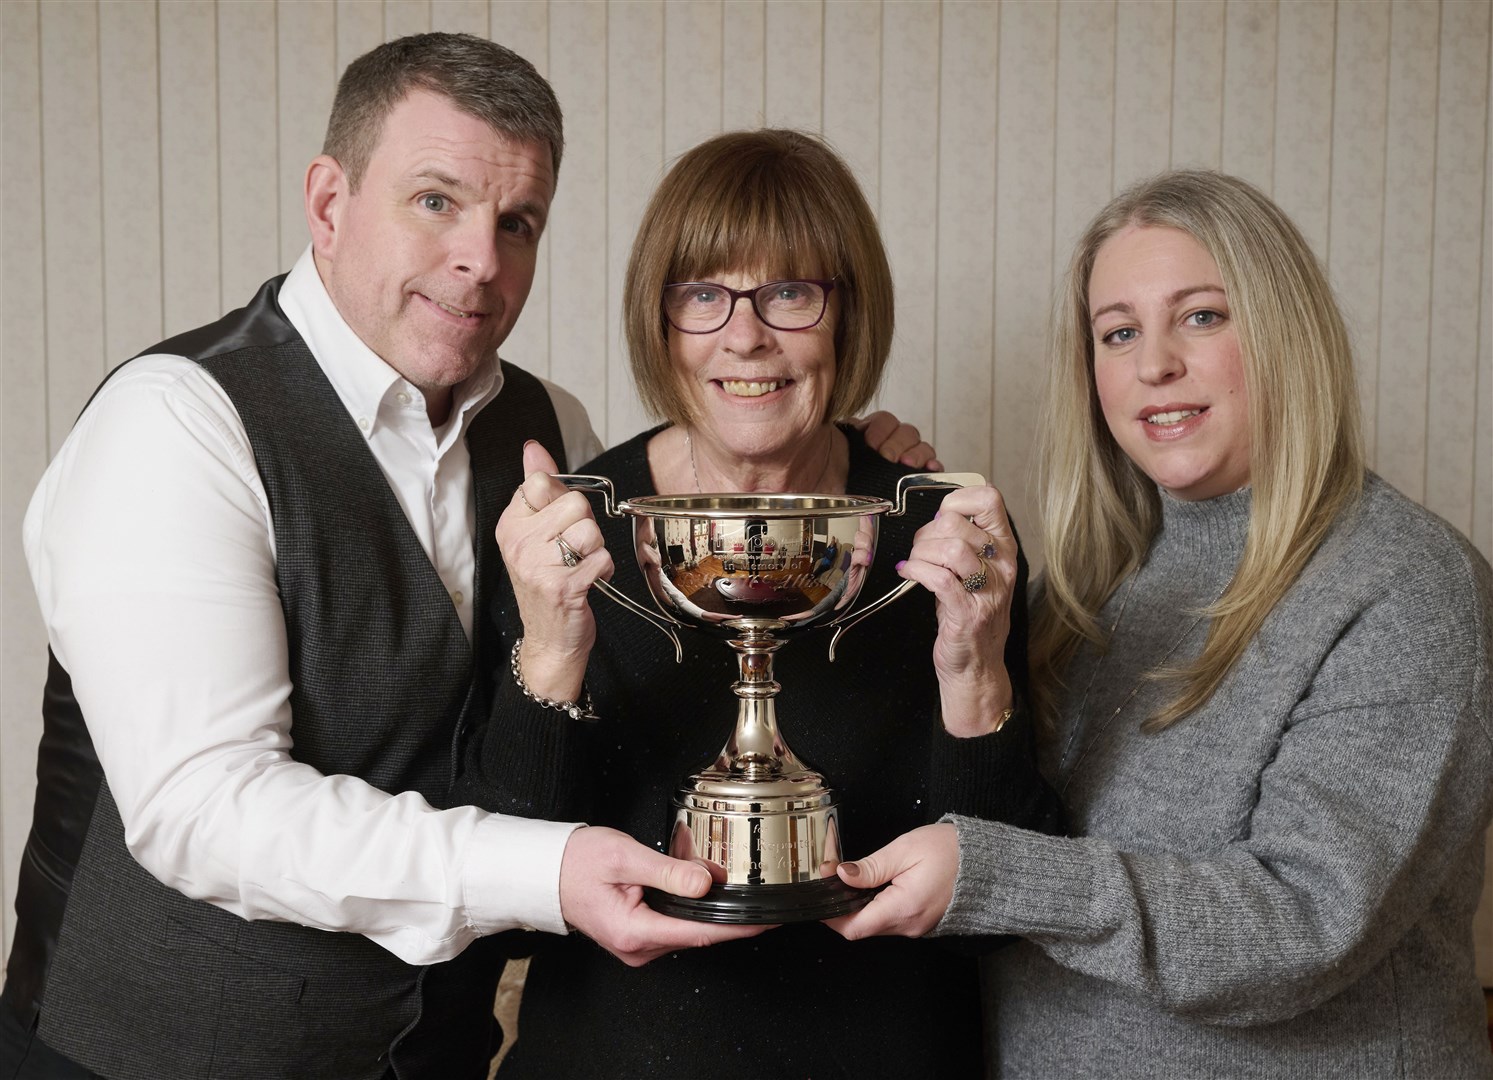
point(458, 312)
point(752, 388)
point(1176, 416)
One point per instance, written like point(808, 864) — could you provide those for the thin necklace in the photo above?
point(829, 453)
point(1094, 674)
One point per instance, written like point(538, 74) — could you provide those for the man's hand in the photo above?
point(602, 875)
point(896, 441)
point(921, 866)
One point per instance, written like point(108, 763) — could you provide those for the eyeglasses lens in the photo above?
point(702, 307)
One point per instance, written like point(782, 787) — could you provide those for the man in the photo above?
point(255, 557)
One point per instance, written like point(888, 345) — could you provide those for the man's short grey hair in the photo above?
point(480, 77)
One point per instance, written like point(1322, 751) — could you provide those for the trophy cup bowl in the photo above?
point(757, 569)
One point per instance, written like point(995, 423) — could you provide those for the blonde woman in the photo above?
point(1265, 676)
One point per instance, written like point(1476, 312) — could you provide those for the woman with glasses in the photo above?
point(758, 312)
point(1268, 680)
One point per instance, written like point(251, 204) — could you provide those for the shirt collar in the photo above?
point(362, 379)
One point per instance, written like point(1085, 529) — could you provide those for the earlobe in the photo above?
point(326, 195)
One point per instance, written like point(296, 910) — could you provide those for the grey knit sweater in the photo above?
point(1283, 883)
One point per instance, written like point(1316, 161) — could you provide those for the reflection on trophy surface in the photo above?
point(756, 569)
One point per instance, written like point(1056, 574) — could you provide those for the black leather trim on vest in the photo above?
point(134, 979)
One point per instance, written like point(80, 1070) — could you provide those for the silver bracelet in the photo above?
point(576, 710)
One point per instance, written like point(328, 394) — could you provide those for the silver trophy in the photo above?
point(756, 569)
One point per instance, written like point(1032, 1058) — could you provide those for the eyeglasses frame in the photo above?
point(749, 294)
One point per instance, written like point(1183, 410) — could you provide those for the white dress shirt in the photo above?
point(152, 552)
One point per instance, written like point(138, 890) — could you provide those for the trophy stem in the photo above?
point(756, 750)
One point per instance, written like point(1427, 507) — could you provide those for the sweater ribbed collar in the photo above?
point(1205, 533)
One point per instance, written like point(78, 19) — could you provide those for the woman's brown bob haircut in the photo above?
point(777, 204)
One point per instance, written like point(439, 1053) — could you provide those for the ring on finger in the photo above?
point(525, 500)
point(568, 555)
point(988, 551)
point(976, 581)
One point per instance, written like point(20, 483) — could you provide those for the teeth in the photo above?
point(748, 389)
point(454, 311)
point(1175, 417)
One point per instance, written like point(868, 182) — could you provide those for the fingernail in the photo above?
point(851, 869)
point(899, 566)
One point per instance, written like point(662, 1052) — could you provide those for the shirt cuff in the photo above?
point(511, 879)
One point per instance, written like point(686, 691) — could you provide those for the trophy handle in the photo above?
point(590, 484)
point(905, 486)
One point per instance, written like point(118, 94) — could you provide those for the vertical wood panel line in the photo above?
point(1425, 458)
point(1326, 253)
point(1483, 272)
point(218, 141)
point(41, 169)
point(606, 207)
point(937, 237)
point(1171, 121)
point(161, 159)
point(279, 164)
point(103, 232)
point(995, 243)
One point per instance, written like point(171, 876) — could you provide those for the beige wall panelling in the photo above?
point(1303, 117)
point(248, 148)
point(1457, 282)
point(635, 150)
point(23, 431)
point(744, 46)
point(405, 17)
point(129, 107)
point(908, 212)
point(71, 198)
point(1143, 91)
point(1249, 91)
point(965, 200)
point(1085, 128)
point(1197, 83)
point(523, 26)
point(793, 73)
point(1355, 242)
point(1025, 150)
point(694, 74)
point(852, 89)
point(190, 247)
point(308, 47)
point(580, 329)
point(1409, 208)
point(459, 16)
point(359, 27)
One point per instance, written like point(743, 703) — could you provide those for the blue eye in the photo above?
point(436, 204)
point(1205, 318)
point(1123, 336)
point(516, 226)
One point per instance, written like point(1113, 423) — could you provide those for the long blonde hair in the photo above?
point(1100, 511)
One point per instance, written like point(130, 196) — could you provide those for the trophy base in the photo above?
point(804, 901)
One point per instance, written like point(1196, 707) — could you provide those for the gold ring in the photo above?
point(976, 581)
point(568, 555)
point(525, 500)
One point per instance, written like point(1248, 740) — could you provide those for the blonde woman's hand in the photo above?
point(918, 870)
point(966, 556)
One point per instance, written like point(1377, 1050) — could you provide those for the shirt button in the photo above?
point(404, 399)
point(457, 596)
point(363, 422)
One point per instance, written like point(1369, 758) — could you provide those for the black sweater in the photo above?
point(798, 1001)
